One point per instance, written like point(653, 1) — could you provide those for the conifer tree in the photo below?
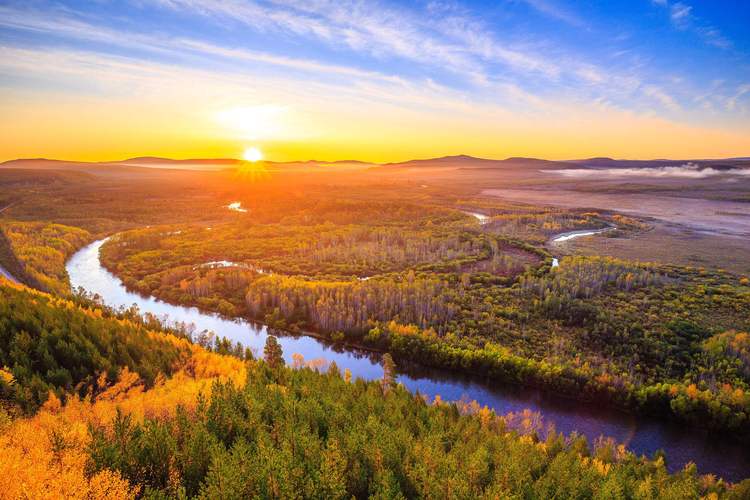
point(389, 372)
point(272, 353)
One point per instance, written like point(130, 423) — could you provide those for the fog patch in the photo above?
point(685, 171)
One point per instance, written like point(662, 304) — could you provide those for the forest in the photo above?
point(179, 421)
point(39, 251)
point(457, 294)
point(375, 249)
point(390, 270)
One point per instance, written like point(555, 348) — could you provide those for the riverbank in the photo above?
point(579, 295)
point(85, 270)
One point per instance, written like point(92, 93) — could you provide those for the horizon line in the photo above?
point(155, 159)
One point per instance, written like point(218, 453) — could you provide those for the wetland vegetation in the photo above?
point(382, 266)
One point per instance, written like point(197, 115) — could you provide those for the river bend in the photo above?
point(642, 435)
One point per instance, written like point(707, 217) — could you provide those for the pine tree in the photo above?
point(332, 479)
point(272, 353)
point(389, 372)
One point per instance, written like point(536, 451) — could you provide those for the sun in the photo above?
point(252, 154)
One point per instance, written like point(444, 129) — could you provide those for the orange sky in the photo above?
point(80, 84)
point(96, 129)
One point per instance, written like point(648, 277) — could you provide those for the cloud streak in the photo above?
point(555, 11)
point(682, 17)
point(468, 51)
point(455, 42)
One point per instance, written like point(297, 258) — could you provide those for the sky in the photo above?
point(374, 80)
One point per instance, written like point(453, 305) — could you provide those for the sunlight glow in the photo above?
point(237, 207)
point(255, 123)
point(252, 154)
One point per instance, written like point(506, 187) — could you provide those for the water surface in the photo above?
point(578, 234)
point(5, 274)
point(482, 218)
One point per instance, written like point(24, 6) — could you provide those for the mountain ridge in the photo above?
point(461, 160)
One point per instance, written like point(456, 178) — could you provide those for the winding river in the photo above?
point(724, 458)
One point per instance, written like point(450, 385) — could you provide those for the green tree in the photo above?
point(389, 372)
point(333, 472)
point(272, 353)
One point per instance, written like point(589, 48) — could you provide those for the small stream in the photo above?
point(642, 435)
point(577, 234)
point(482, 218)
point(563, 237)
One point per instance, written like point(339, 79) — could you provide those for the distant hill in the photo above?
point(171, 163)
point(155, 162)
point(464, 161)
point(65, 165)
point(41, 163)
point(449, 162)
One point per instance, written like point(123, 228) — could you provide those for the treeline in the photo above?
point(280, 432)
point(727, 408)
point(377, 250)
point(630, 334)
point(223, 428)
point(351, 307)
point(583, 277)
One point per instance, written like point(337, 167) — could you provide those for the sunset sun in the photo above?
point(252, 154)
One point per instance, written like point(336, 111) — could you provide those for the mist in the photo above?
point(686, 171)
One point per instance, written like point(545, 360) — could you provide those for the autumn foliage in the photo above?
point(220, 427)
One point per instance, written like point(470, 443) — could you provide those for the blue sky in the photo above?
point(300, 66)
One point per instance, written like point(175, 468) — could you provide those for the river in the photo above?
point(560, 238)
point(6, 274)
point(722, 457)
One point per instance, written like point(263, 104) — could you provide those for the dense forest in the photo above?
point(40, 250)
point(53, 345)
point(454, 293)
point(179, 421)
point(100, 403)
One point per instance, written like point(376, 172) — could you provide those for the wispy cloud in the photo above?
point(682, 17)
point(661, 96)
point(713, 36)
point(742, 90)
point(556, 11)
point(81, 30)
point(680, 14)
point(454, 42)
